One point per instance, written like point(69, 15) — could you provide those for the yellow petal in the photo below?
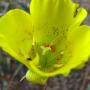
point(16, 34)
point(52, 17)
point(79, 46)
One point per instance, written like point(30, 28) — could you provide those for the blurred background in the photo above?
point(12, 71)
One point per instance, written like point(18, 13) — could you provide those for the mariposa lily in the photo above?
point(51, 36)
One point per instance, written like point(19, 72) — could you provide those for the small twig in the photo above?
point(80, 3)
point(15, 73)
point(45, 87)
point(85, 78)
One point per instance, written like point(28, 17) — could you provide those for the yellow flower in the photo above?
point(51, 36)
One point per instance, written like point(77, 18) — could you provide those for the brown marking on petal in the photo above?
point(29, 59)
point(51, 47)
